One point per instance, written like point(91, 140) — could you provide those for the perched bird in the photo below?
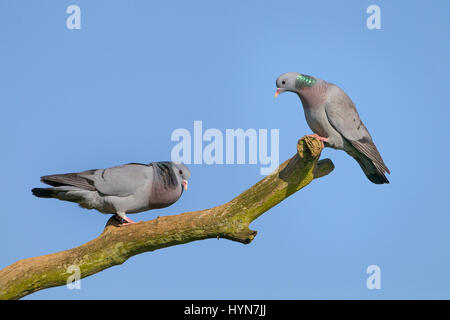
point(332, 116)
point(130, 188)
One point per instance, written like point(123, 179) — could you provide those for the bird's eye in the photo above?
point(181, 172)
point(283, 82)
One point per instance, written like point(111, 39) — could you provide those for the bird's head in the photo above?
point(294, 82)
point(183, 172)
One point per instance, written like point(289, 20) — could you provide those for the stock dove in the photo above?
point(129, 188)
point(333, 117)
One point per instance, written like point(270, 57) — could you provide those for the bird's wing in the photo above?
point(70, 179)
point(369, 149)
point(120, 181)
point(343, 116)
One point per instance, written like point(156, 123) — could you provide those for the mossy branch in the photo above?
point(116, 244)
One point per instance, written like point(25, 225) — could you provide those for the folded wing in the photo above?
point(343, 116)
point(120, 181)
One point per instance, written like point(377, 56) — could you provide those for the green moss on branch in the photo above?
point(116, 244)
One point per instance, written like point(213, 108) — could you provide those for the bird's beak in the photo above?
point(279, 90)
point(185, 185)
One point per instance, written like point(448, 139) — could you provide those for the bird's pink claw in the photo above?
point(129, 223)
point(319, 137)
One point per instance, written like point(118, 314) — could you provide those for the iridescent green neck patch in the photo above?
point(304, 81)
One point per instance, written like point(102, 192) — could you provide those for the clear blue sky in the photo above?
point(113, 92)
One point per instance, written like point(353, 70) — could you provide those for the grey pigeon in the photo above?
point(332, 116)
point(130, 188)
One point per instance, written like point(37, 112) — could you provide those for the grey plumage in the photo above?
point(130, 188)
point(331, 114)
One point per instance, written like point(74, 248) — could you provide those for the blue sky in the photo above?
point(114, 91)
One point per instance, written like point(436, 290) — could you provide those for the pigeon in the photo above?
point(333, 118)
point(129, 188)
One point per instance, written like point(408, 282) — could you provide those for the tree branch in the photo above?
point(115, 245)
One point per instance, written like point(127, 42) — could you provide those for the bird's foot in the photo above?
point(127, 220)
point(128, 223)
point(322, 139)
point(318, 137)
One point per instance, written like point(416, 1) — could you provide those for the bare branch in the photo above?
point(116, 244)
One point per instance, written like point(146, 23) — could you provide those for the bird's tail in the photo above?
point(43, 192)
point(372, 171)
point(67, 193)
point(85, 198)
